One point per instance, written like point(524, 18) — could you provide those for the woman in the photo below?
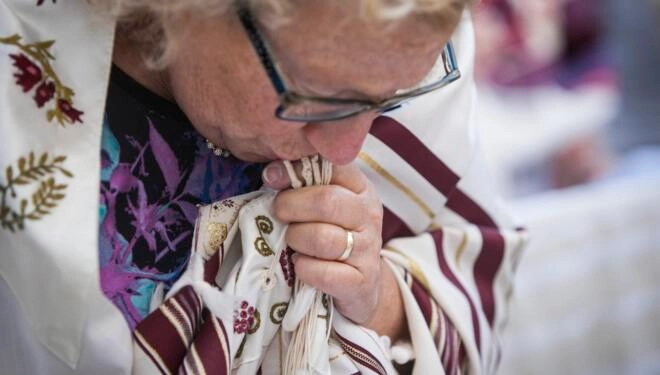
point(215, 85)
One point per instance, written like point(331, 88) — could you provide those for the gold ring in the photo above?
point(349, 247)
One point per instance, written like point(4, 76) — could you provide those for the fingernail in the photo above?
point(272, 173)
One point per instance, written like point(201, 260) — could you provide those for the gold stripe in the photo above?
point(433, 324)
point(373, 164)
point(199, 366)
point(461, 250)
point(165, 309)
point(443, 332)
point(414, 269)
point(186, 324)
point(224, 344)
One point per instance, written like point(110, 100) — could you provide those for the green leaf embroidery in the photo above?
point(46, 197)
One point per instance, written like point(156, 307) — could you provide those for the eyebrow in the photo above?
point(302, 87)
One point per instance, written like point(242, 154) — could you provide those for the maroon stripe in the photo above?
point(468, 209)
point(347, 345)
point(461, 354)
point(188, 361)
point(492, 249)
point(414, 152)
point(162, 336)
point(423, 300)
point(209, 349)
point(149, 354)
point(212, 265)
point(195, 303)
point(393, 226)
point(449, 342)
point(486, 267)
point(438, 328)
point(444, 268)
point(187, 302)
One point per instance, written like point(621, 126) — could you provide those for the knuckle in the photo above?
point(292, 235)
point(373, 243)
point(375, 212)
point(327, 203)
point(279, 208)
point(324, 278)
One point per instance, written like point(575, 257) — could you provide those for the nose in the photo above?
point(340, 141)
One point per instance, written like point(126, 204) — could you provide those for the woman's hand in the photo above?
point(363, 287)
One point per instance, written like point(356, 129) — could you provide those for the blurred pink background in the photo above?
point(570, 124)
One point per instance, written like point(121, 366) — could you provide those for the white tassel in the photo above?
point(301, 355)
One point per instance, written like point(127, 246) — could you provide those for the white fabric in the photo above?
point(62, 245)
point(587, 299)
point(256, 277)
point(50, 270)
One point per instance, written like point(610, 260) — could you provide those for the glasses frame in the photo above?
point(289, 97)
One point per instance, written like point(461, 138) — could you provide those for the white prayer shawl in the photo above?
point(258, 303)
point(453, 247)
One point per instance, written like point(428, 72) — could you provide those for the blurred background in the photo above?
point(570, 121)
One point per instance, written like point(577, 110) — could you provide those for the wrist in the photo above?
point(389, 319)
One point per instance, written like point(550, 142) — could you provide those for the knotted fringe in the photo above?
point(301, 355)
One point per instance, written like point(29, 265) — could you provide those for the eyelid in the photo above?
point(339, 94)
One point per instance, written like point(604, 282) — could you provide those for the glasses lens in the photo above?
point(309, 110)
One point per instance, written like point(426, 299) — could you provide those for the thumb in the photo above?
point(275, 177)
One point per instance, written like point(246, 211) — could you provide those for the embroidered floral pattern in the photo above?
point(43, 199)
point(277, 312)
point(33, 69)
point(264, 225)
point(287, 266)
point(246, 321)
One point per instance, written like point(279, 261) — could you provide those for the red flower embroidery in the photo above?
point(243, 318)
point(44, 93)
point(287, 266)
point(72, 113)
point(33, 63)
point(28, 74)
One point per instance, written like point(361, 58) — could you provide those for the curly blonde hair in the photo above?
point(154, 23)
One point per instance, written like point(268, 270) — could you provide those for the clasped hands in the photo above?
point(319, 217)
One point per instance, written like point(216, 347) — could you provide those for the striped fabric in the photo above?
point(453, 248)
point(445, 230)
point(183, 336)
point(459, 272)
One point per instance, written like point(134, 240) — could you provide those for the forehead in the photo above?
point(326, 44)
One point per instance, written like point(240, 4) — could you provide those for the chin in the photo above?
point(255, 157)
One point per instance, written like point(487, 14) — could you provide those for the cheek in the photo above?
point(210, 98)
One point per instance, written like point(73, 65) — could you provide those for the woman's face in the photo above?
point(324, 49)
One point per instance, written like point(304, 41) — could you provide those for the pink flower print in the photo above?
point(287, 266)
point(28, 75)
point(72, 113)
point(243, 318)
point(44, 93)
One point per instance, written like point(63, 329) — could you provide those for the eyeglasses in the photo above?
point(306, 108)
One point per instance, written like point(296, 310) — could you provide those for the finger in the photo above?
point(350, 177)
point(327, 241)
point(348, 285)
point(275, 176)
point(325, 204)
